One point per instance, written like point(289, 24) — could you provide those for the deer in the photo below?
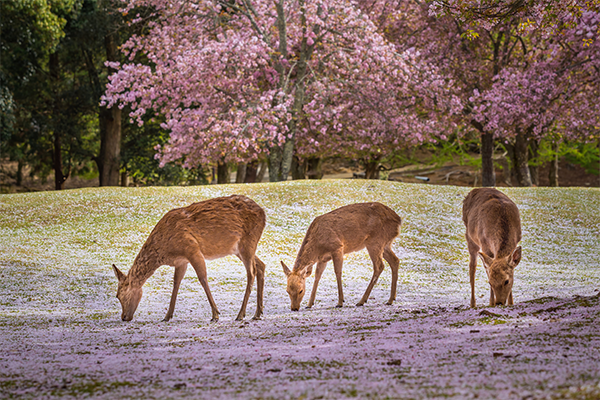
point(206, 230)
point(493, 232)
point(345, 230)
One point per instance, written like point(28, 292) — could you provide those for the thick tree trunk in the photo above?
point(522, 160)
point(222, 173)
point(488, 176)
point(240, 175)
point(315, 168)
point(506, 171)
point(109, 161)
point(262, 170)
point(372, 169)
point(275, 164)
point(251, 170)
point(553, 173)
point(533, 165)
point(298, 168)
point(124, 179)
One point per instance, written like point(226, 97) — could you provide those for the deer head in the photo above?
point(500, 273)
point(296, 284)
point(128, 295)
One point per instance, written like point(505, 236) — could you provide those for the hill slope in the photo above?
point(62, 335)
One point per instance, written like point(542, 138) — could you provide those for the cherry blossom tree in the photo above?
point(233, 78)
point(516, 80)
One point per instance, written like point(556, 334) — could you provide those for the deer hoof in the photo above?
point(360, 304)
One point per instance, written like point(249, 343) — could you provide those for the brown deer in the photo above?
point(201, 231)
point(345, 230)
point(493, 231)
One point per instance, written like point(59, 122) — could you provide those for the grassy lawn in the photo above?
point(62, 335)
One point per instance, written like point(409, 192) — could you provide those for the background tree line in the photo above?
point(284, 84)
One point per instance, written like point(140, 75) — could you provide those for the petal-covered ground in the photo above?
point(61, 333)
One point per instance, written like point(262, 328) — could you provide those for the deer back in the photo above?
point(215, 227)
point(352, 227)
point(492, 221)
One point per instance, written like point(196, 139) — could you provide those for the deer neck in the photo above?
point(143, 268)
point(306, 257)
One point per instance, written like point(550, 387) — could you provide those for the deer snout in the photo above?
point(295, 308)
point(126, 317)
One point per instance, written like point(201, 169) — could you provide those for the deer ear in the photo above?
point(308, 271)
point(487, 261)
point(516, 257)
point(286, 270)
point(120, 276)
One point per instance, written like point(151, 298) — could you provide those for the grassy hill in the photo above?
point(63, 337)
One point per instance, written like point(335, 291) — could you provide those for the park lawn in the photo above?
point(62, 335)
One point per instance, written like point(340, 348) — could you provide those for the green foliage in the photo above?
point(30, 30)
point(455, 149)
point(586, 155)
point(137, 158)
point(7, 113)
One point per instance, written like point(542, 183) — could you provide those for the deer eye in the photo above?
point(506, 282)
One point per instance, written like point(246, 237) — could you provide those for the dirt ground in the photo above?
point(451, 173)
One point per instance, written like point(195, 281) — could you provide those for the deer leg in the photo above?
point(376, 257)
point(473, 249)
point(338, 262)
point(492, 297)
point(391, 258)
point(248, 260)
point(199, 266)
point(180, 268)
point(510, 299)
point(320, 268)
point(260, 284)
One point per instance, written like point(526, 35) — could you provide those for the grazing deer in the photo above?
point(493, 231)
point(342, 231)
point(201, 231)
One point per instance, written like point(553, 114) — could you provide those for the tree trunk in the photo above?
point(315, 168)
point(280, 158)
point(57, 161)
point(110, 125)
point(488, 177)
point(262, 170)
point(510, 155)
point(124, 179)
point(240, 175)
point(59, 177)
point(251, 170)
point(521, 160)
point(372, 169)
point(553, 173)
point(298, 168)
point(222, 173)
point(533, 157)
point(19, 177)
point(506, 172)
